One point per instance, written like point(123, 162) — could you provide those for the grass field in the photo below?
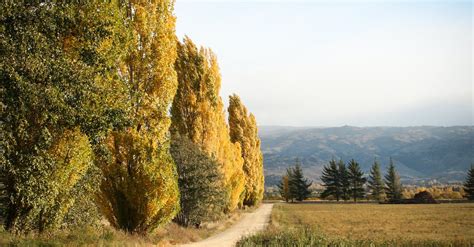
point(365, 224)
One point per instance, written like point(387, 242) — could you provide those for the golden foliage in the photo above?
point(284, 188)
point(438, 192)
point(148, 69)
point(198, 114)
point(48, 91)
point(72, 156)
point(243, 130)
point(139, 191)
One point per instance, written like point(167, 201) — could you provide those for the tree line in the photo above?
point(345, 182)
point(104, 113)
point(348, 182)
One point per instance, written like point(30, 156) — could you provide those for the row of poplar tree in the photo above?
point(346, 182)
point(105, 114)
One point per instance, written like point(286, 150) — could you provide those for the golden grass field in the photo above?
point(381, 222)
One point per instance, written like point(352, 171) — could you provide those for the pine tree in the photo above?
point(56, 58)
point(469, 184)
point(375, 183)
point(343, 181)
point(284, 188)
point(299, 185)
point(198, 114)
point(393, 187)
point(356, 180)
point(202, 197)
point(330, 178)
point(292, 189)
point(139, 191)
point(243, 130)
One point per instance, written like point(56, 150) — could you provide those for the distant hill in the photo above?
point(419, 153)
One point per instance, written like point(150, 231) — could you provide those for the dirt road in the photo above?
point(249, 224)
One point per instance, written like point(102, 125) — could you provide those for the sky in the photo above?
point(334, 63)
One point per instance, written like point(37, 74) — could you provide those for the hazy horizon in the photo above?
point(358, 63)
point(361, 126)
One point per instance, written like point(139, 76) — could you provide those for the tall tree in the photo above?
point(55, 58)
point(202, 197)
point(342, 177)
point(139, 191)
point(356, 180)
point(375, 183)
point(198, 113)
point(469, 184)
point(243, 130)
point(298, 184)
point(393, 187)
point(284, 187)
point(330, 178)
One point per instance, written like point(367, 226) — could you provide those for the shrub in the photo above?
point(424, 197)
point(202, 196)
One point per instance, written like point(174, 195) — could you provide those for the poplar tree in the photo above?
point(393, 187)
point(139, 191)
point(243, 130)
point(375, 182)
point(198, 114)
point(55, 59)
point(284, 188)
point(356, 180)
point(469, 184)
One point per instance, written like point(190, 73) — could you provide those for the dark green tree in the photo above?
point(292, 189)
point(330, 178)
point(343, 180)
point(393, 186)
point(202, 195)
point(299, 185)
point(375, 183)
point(469, 184)
point(356, 180)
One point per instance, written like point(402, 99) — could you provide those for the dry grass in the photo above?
point(79, 237)
point(433, 222)
point(169, 235)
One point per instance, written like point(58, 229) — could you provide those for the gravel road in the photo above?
point(249, 224)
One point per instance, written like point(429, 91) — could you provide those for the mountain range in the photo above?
point(421, 154)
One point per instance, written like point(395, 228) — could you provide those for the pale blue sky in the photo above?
point(332, 63)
